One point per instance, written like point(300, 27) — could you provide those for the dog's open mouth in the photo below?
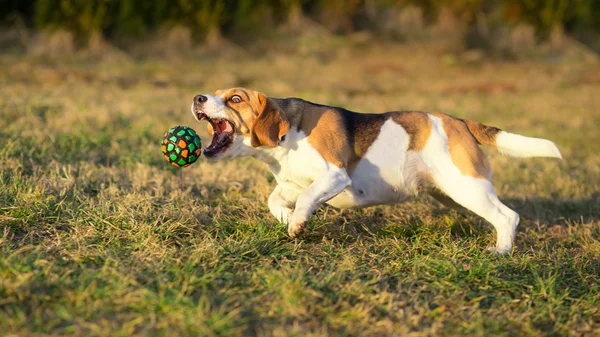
point(223, 135)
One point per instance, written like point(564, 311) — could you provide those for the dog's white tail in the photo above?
point(510, 143)
point(521, 146)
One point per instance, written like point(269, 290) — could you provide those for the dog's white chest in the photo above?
point(298, 164)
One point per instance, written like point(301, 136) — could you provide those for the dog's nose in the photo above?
point(200, 99)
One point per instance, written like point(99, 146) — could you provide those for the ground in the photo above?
point(99, 236)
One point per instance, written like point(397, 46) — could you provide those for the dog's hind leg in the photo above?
point(444, 199)
point(478, 195)
point(459, 169)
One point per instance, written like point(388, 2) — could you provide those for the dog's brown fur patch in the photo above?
point(485, 135)
point(326, 133)
point(417, 125)
point(445, 199)
point(340, 136)
point(270, 125)
point(462, 145)
point(363, 129)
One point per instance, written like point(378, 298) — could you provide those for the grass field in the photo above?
point(99, 236)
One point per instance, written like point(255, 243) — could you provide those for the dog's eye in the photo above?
point(235, 99)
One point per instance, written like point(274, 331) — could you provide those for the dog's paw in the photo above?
point(283, 214)
point(296, 229)
point(498, 251)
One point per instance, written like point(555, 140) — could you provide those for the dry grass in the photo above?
point(100, 237)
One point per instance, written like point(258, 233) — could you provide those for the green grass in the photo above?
point(99, 236)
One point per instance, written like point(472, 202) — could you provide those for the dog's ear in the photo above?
point(270, 125)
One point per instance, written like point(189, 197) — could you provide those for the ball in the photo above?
point(181, 146)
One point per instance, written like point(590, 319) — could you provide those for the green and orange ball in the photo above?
point(181, 146)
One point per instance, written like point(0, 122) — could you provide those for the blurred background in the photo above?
point(506, 27)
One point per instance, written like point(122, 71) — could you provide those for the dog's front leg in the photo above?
point(327, 186)
point(281, 201)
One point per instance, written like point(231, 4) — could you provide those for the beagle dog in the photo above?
point(322, 154)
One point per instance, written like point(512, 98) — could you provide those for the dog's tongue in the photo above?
point(222, 130)
point(223, 126)
point(226, 127)
point(219, 136)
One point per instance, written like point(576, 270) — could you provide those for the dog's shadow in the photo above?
point(425, 214)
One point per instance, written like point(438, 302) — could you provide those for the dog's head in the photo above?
point(239, 119)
